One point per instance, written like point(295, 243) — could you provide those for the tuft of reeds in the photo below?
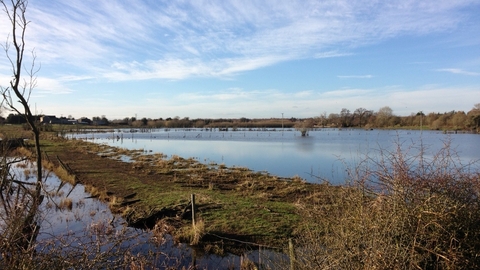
point(66, 203)
point(193, 234)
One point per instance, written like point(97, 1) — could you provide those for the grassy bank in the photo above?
point(233, 203)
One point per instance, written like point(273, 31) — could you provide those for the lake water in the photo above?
point(324, 154)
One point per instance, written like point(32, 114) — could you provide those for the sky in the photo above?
point(248, 58)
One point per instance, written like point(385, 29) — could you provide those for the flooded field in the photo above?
point(74, 223)
point(323, 154)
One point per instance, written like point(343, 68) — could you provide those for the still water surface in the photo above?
point(283, 153)
point(321, 155)
point(89, 227)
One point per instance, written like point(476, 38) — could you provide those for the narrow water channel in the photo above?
point(72, 222)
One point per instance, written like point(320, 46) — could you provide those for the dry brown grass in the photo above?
point(394, 214)
point(198, 231)
point(191, 234)
point(65, 203)
point(401, 211)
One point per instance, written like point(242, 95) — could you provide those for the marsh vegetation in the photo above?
point(407, 189)
point(401, 208)
point(403, 202)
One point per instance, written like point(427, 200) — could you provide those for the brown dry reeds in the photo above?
point(66, 203)
point(400, 211)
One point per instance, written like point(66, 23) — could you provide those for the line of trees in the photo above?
point(359, 118)
point(186, 122)
point(385, 118)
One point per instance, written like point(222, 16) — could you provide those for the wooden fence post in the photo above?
point(292, 254)
point(193, 209)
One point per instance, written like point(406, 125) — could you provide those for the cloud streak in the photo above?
point(178, 40)
point(238, 103)
point(459, 71)
point(266, 57)
point(355, 76)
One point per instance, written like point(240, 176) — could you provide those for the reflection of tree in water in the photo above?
point(305, 144)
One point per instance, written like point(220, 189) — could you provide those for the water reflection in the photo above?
point(321, 154)
point(86, 227)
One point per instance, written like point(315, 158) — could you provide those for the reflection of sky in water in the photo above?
point(72, 228)
point(286, 153)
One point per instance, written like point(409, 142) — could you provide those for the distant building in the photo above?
point(52, 119)
point(48, 119)
point(100, 122)
point(84, 121)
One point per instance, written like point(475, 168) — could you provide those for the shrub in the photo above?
point(400, 210)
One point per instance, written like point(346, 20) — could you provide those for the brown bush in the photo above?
point(400, 210)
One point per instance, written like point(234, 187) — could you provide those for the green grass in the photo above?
point(232, 201)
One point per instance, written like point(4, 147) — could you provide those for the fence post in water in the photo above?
point(194, 258)
point(193, 209)
point(292, 254)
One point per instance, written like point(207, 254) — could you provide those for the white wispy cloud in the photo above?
point(349, 93)
point(271, 103)
point(329, 54)
point(177, 40)
point(258, 103)
point(44, 87)
point(233, 95)
point(304, 94)
point(49, 86)
point(355, 76)
point(459, 71)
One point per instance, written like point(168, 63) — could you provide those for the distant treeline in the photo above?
point(359, 118)
point(385, 118)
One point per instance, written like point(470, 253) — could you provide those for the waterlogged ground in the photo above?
point(234, 202)
point(73, 222)
point(324, 154)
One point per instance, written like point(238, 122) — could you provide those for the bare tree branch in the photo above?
point(21, 202)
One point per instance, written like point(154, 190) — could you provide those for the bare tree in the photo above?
point(385, 111)
point(345, 117)
point(323, 119)
point(474, 115)
point(360, 112)
point(304, 126)
point(383, 116)
point(19, 90)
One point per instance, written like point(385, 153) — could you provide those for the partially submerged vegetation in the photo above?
point(397, 210)
point(232, 202)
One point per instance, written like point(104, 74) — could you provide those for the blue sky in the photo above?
point(254, 59)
